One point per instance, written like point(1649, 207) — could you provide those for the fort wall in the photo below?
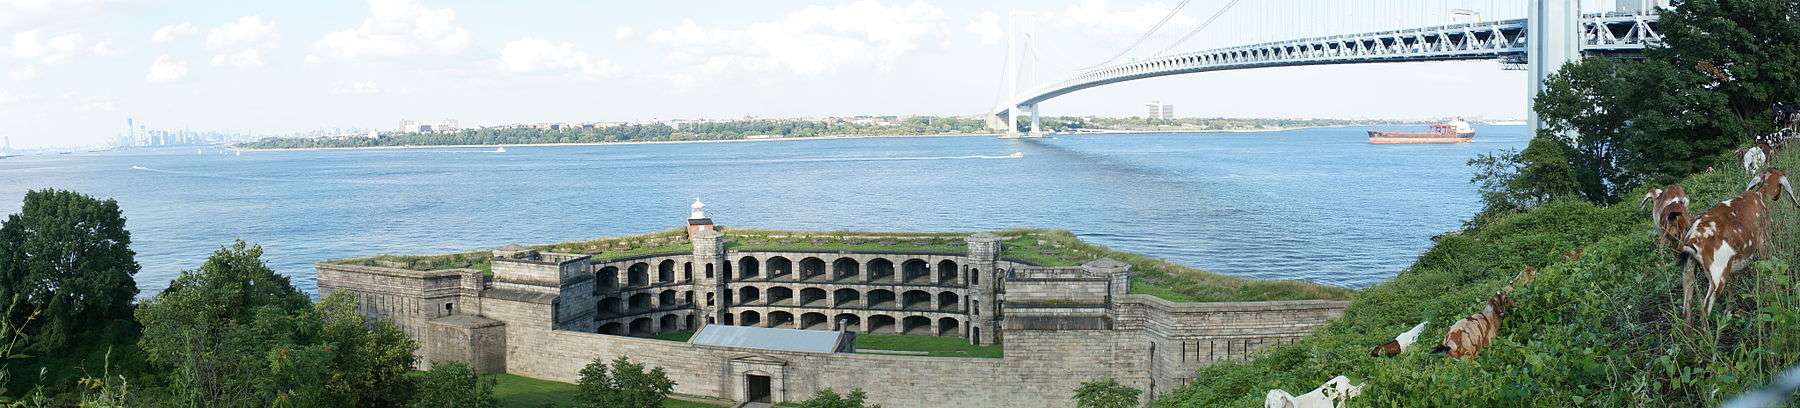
point(546, 315)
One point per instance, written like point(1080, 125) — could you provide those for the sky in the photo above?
point(72, 71)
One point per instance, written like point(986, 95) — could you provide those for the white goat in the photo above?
point(1331, 395)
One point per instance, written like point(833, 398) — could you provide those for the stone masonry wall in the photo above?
point(1042, 368)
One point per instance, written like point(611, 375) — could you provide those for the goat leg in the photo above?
point(1687, 292)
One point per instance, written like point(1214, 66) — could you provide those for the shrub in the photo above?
point(828, 398)
point(627, 385)
point(1106, 393)
point(453, 384)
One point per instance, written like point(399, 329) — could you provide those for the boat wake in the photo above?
point(257, 179)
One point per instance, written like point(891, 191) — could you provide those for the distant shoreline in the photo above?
point(780, 139)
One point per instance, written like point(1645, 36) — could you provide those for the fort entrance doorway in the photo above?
point(756, 388)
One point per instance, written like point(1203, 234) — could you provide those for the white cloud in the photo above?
point(987, 27)
point(40, 13)
point(355, 88)
point(240, 43)
point(528, 55)
point(1095, 19)
point(166, 69)
point(22, 72)
point(624, 32)
point(33, 45)
point(814, 40)
point(172, 32)
point(398, 28)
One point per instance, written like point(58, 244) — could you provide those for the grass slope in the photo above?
point(1600, 326)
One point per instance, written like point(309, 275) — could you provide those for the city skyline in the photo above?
point(76, 69)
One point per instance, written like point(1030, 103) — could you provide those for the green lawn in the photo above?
point(937, 346)
point(521, 392)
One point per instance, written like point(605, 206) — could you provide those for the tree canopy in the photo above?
point(67, 257)
point(625, 385)
point(1708, 91)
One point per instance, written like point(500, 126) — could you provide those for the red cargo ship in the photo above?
point(1455, 131)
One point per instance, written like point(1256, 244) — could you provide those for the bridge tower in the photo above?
point(1554, 40)
point(1016, 66)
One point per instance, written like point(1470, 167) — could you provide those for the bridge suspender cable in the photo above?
point(1146, 36)
point(1197, 30)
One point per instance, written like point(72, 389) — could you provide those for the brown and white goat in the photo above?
point(1471, 334)
point(1669, 212)
point(1723, 241)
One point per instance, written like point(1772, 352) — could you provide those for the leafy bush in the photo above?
point(1106, 393)
point(453, 384)
point(627, 385)
point(828, 398)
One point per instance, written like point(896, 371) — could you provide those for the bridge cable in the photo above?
point(1197, 30)
point(1146, 36)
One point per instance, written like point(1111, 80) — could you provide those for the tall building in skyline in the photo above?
point(1159, 110)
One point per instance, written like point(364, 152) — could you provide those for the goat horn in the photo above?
point(1646, 200)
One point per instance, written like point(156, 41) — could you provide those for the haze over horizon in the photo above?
point(74, 70)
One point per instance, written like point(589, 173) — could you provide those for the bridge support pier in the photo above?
point(1035, 131)
point(1555, 40)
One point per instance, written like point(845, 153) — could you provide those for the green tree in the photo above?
point(627, 385)
point(1105, 393)
point(236, 334)
point(828, 398)
point(1629, 123)
point(213, 328)
point(67, 257)
point(453, 384)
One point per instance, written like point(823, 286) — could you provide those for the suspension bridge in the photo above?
point(1539, 37)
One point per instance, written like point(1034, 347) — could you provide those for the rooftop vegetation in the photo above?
point(1042, 247)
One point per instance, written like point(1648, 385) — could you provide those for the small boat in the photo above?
point(1016, 155)
point(1455, 131)
point(501, 149)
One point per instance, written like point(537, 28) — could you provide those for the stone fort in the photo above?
point(546, 315)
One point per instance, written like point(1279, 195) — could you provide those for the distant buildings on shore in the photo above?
point(1159, 110)
point(138, 135)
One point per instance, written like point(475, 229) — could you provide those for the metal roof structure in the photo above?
point(808, 341)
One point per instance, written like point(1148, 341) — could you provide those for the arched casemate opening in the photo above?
point(781, 319)
point(812, 297)
point(780, 267)
point(845, 298)
point(642, 326)
point(665, 271)
point(948, 326)
point(749, 267)
point(693, 322)
point(640, 302)
point(666, 298)
point(606, 278)
point(947, 272)
point(814, 321)
point(811, 268)
point(749, 318)
point(638, 274)
point(780, 295)
point(915, 300)
point(612, 329)
point(848, 322)
point(948, 301)
point(916, 325)
point(610, 306)
point(882, 299)
point(913, 268)
point(749, 294)
point(881, 324)
point(845, 269)
point(881, 270)
point(669, 323)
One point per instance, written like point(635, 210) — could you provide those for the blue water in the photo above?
point(1317, 204)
